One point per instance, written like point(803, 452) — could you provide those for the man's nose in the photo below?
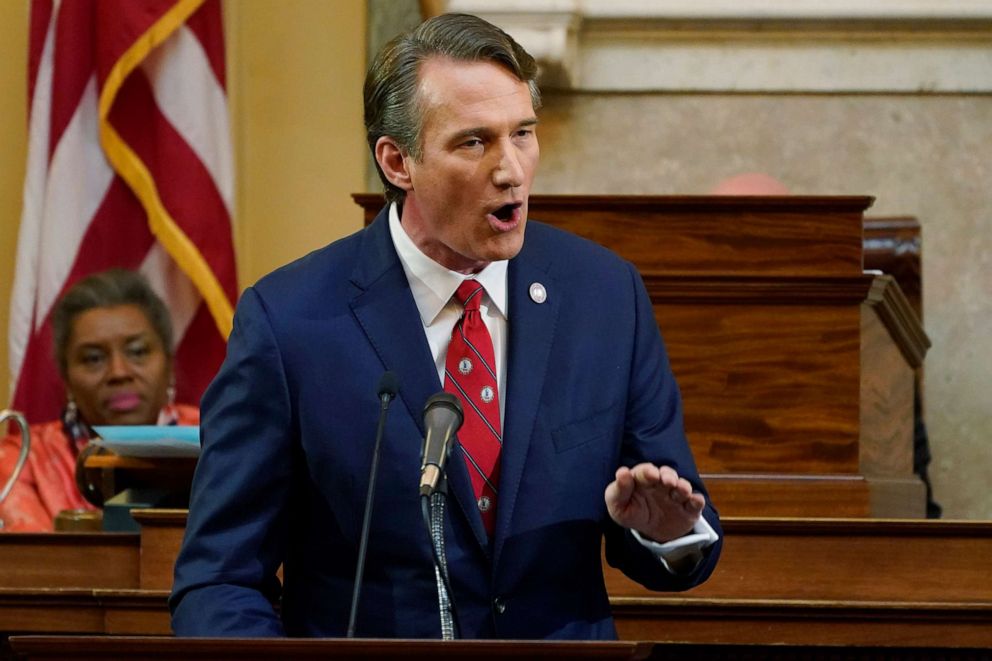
point(509, 173)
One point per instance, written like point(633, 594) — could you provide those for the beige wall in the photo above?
point(13, 120)
point(295, 73)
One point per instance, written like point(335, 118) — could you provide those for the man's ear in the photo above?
point(393, 162)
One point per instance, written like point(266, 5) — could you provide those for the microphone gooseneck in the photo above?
point(442, 419)
point(388, 387)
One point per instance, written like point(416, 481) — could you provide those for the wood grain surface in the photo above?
point(69, 560)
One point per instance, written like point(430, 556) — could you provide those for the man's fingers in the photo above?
point(664, 481)
point(624, 479)
point(656, 498)
point(668, 477)
point(695, 503)
point(646, 475)
point(679, 489)
point(620, 490)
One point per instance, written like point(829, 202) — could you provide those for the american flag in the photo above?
point(129, 165)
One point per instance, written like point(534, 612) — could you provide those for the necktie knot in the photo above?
point(469, 294)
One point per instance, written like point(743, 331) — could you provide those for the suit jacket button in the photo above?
point(499, 605)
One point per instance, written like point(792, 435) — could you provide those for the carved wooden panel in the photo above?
point(767, 388)
point(68, 560)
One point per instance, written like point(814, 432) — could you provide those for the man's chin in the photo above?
point(493, 249)
point(507, 245)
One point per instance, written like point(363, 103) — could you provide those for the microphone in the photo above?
point(442, 419)
point(388, 387)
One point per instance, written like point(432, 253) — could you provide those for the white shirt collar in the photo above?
point(432, 284)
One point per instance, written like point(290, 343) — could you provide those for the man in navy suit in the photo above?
point(591, 421)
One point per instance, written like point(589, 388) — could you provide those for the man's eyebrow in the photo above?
point(469, 133)
point(482, 130)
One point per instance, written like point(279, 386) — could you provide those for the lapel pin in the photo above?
point(538, 293)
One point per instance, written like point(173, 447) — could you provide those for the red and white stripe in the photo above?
point(129, 165)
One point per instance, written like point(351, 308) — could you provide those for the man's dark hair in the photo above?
point(392, 106)
point(103, 290)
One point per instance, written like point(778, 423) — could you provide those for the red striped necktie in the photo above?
point(470, 375)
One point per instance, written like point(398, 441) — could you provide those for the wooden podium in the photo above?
point(211, 649)
point(796, 366)
point(218, 649)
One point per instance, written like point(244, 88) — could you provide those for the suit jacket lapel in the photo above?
point(386, 311)
point(531, 332)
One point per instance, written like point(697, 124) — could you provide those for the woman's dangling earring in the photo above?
point(169, 414)
point(71, 412)
point(72, 422)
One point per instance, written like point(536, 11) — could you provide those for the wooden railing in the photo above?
point(795, 581)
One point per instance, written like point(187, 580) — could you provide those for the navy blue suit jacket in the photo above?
point(289, 423)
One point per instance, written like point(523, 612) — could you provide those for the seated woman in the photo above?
point(113, 344)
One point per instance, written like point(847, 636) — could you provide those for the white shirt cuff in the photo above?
point(690, 544)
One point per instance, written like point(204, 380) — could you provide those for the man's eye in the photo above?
point(472, 142)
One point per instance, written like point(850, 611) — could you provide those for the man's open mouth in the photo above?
point(505, 212)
